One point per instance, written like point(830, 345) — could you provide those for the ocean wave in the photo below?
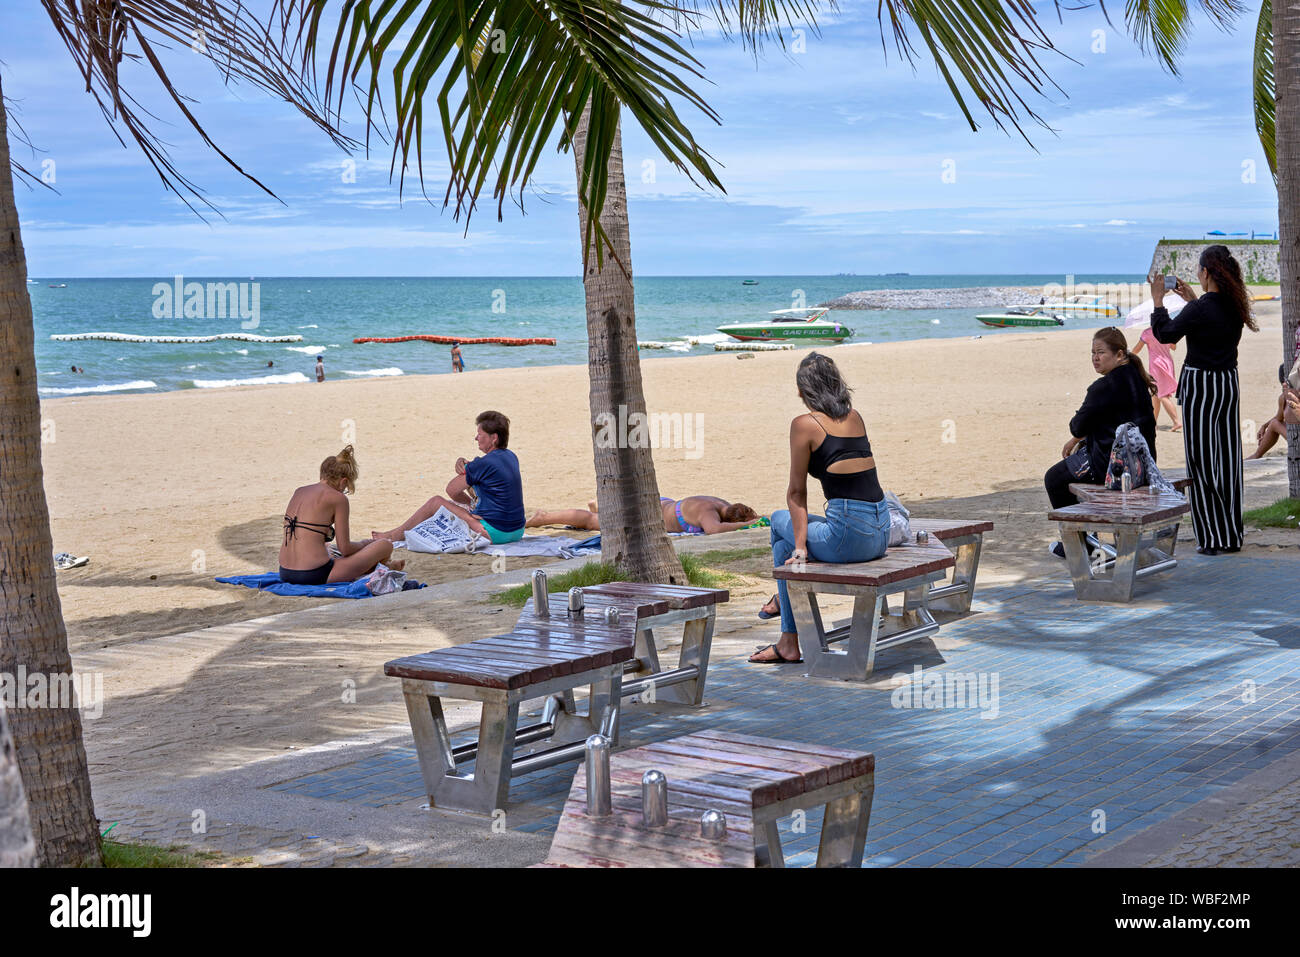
point(392, 371)
point(242, 352)
point(305, 350)
point(312, 326)
point(285, 379)
point(110, 387)
point(707, 339)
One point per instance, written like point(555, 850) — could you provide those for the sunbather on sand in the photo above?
point(705, 514)
point(486, 494)
point(312, 517)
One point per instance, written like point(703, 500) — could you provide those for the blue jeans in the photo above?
point(852, 531)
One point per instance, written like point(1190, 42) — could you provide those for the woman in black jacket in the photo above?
point(1209, 393)
point(1122, 394)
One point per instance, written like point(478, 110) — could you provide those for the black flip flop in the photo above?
point(767, 616)
point(780, 658)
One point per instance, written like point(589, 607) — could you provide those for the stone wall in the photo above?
point(1258, 258)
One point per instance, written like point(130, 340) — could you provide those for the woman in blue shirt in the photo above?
point(487, 492)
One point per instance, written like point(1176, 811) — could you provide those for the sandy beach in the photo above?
point(166, 491)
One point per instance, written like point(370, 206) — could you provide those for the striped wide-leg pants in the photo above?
point(1211, 404)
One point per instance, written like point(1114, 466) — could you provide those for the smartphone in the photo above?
point(1170, 282)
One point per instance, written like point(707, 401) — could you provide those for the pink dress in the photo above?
point(1161, 365)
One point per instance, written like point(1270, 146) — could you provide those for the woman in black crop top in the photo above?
point(1209, 393)
point(829, 443)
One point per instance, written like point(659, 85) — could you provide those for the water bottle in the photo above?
point(1126, 482)
point(575, 602)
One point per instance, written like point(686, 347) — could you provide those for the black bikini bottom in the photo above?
point(311, 576)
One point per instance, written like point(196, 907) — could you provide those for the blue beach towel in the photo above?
point(270, 581)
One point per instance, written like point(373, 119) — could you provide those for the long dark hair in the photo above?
point(1226, 272)
point(1115, 342)
point(822, 387)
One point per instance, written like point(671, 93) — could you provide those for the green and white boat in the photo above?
point(1022, 316)
point(809, 324)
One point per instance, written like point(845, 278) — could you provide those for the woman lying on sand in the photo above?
point(830, 443)
point(696, 514)
point(310, 520)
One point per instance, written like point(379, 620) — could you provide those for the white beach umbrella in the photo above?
point(1139, 317)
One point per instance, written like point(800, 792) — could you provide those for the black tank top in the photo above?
point(863, 486)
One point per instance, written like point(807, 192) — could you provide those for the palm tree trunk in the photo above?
point(50, 753)
point(16, 846)
point(631, 523)
point(1286, 76)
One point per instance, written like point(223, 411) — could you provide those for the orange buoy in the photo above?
point(464, 341)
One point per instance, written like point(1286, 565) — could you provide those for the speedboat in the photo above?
point(1074, 307)
point(790, 324)
point(1022, 316)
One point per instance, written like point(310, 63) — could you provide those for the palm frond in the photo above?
point(103, 36)
point(753, 21)
point(1163, 26)
point(1264, 88)
point(984, 48)
point(501, 103)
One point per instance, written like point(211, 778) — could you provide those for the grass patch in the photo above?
point(723, 556)
point(117, 854)
point(1281, 514)
point(592, 573)
point(698, 573)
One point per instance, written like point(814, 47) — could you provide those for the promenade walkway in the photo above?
point(1040, 731)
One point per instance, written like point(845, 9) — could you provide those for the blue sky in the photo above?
point(833, 161)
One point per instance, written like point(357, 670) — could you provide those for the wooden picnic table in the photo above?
point(965, 538)
point(547, 658)
point(1145, 527)
point(753, 781)
point(642, 609)
point(908, 569)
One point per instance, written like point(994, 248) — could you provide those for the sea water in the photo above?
point(330, 312)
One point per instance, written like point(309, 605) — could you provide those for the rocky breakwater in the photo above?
point(965, 297)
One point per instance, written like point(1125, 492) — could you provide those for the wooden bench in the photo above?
point(542, 658)
point(1145, 527)
point(754, 782)
point(908, 569)
point(651, 607)
point(965, 539)
point(1086, 491)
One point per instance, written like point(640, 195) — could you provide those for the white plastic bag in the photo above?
point(442, 532)
point(384, 580)
point(900, 525)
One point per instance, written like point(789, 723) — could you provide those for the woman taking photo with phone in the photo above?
point(1209, 393)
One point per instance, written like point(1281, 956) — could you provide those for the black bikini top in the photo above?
point(291, 526)
point(835, 448)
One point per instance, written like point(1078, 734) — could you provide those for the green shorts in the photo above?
point(500, 538)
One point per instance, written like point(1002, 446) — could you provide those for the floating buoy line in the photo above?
point(127, 337)
point(463, 340)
